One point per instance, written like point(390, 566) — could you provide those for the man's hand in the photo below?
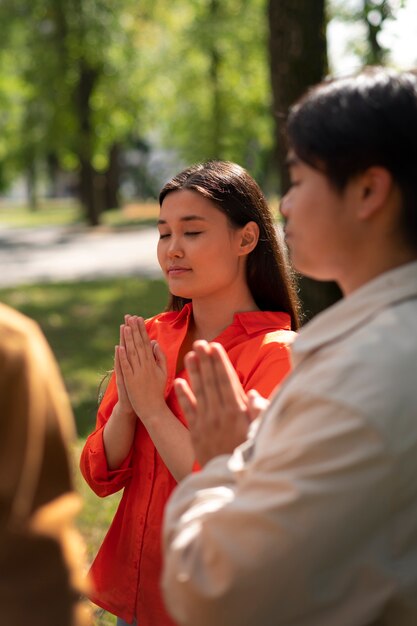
point(216, 405)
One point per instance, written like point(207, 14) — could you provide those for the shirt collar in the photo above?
point(354, 310)
point(265, 321)
point(251, 321)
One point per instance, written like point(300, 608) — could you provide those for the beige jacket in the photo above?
point(314, 521)
point(40, 554)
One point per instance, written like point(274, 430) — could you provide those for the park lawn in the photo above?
point(81, 322)
point(67, 212)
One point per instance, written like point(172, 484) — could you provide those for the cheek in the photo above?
point(160, 252)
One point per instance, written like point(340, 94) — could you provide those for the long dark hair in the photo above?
point(239, 197)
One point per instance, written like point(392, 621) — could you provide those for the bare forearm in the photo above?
point(173, 442)
point(118, 436)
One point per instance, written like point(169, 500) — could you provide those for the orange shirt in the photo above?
point(127, 568)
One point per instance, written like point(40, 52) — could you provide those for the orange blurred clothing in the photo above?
point(126, 571)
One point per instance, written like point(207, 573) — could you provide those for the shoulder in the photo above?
point(19, 334)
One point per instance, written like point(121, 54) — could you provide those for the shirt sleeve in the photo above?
point(93, 461)
point(277, 532)
point(269, 369)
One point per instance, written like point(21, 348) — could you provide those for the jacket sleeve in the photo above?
point(93, 462)
point(255, 538)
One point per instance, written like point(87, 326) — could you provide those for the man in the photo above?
point(313, 520)
point(41, 555)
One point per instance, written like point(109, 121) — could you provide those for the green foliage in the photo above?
point(372, 14)
point(214, 86)
point(192, 76)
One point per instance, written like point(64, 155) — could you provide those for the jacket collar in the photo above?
point(353, 311)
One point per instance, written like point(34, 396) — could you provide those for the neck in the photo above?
point(373, 262)
point(213, 315)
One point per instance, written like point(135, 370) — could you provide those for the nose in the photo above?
point(285, 205)
point(174, 250)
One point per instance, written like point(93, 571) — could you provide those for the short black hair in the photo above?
point(344, 126)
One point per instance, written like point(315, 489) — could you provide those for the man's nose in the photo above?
point(285, 205)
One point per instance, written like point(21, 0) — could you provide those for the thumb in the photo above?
point(256, 404)
point(159, 355)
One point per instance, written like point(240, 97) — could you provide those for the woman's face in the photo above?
point(198, 251)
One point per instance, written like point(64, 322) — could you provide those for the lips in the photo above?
point(177, 270)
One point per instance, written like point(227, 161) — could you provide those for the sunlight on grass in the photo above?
point(81, 322)
point(67, 212)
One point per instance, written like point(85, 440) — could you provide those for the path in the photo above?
point(63, 253)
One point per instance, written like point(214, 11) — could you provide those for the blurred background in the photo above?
point(101, 101)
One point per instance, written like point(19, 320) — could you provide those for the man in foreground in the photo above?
point(313, 520)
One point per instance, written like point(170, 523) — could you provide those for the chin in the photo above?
point(315, 273)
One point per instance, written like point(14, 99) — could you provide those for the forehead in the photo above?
point(186, 204)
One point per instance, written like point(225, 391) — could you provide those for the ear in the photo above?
point(249, 236)
point(375, 186)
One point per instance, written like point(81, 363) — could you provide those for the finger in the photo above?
point(187, 401)
point(209, 380)
point(121, 334)
point(123, 362)
point(129, 345)
point(256, 404)
point(227, 380)
point(145, 341)
point(191, 362)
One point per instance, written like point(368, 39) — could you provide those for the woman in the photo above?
point(229, 281)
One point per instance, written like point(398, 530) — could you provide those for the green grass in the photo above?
point(67, 212)
point(81, 322)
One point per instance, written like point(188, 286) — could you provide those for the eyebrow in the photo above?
point(187, 218)
point(292, 160)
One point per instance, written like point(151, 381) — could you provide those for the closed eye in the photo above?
point(164, 236)
point(193, 233)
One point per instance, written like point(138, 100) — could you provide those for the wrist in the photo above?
point(123, 413)
point(153, 415)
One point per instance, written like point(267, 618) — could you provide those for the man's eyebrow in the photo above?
point(292, 160)
point(187, 218)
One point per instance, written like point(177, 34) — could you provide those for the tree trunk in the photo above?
point(31, 185)
point(298, 59)
point(112, 179)
point(215, 59)
point(91, 187)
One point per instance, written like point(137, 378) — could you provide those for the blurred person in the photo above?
point(228, 279)
point(313, 520)
point(41, 555)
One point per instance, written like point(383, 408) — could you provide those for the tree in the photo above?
point(298, 59)
point(214, 84)
point(77, 61)
point(373, 15)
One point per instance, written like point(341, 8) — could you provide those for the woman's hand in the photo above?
point(144, 370)
point(123, 404)
point(216, 405)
